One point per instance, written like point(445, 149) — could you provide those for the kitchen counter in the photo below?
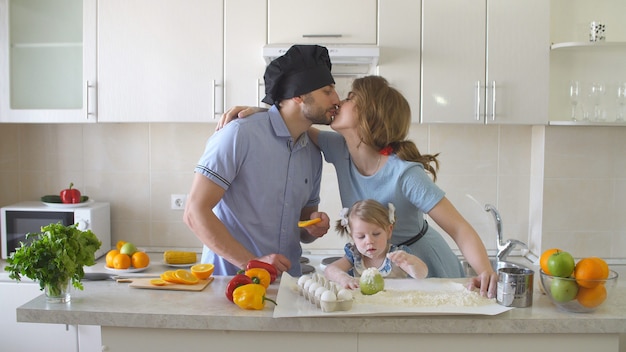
point(120, 309)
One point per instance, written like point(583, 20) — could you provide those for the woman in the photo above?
point(373, 160)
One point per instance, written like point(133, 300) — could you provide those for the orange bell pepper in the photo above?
point(259, 276)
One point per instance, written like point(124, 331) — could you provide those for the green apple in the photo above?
point(561, 264)
point(128, 249)
point(371, 281)
point(563, 290)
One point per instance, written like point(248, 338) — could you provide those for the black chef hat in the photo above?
point(302, 69)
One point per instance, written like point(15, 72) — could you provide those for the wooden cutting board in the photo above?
point(145, 283)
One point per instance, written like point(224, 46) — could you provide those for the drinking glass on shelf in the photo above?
point(597, 93)
point(574, 96)
point(621, 101)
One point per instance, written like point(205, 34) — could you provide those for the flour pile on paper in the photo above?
point(453, 294)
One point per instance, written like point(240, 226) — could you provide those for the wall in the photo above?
point(584, 197)
point(570, 181)
point(136, 167)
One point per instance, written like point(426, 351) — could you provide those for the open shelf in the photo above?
point(583, 45)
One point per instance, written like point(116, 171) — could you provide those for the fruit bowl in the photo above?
point(578, 296)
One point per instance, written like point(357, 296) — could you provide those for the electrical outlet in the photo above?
point(178, 201)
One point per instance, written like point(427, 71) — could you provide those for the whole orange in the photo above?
point(543, 260)
point(590, 268)
point(140, 260)
point(603, 265)
point(121, 261)
point(110, 255)
point(591, 297)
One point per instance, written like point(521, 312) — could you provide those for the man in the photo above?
point(258, 176)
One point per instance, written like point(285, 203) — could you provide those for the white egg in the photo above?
point(313, 287)
point(319, 291)
point(329, 296)
point(302, 279)
point(307, 283)
point(344, 295)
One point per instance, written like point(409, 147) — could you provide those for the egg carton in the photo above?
point(324, 294)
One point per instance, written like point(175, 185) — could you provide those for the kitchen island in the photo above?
point(159, 320)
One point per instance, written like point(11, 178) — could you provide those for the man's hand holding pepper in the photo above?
point(312, 232)
point(279, 261)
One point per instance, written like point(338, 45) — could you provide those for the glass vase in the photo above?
point(59, 293)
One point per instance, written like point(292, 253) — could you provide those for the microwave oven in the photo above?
point(19, 219)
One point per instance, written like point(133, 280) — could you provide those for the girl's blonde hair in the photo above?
point(385, 119)
point(369, 211)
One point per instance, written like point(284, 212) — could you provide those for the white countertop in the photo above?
point(108, 303)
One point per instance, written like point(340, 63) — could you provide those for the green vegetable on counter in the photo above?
point(55, 256)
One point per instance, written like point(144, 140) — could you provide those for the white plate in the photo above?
point(180, 265)
point(129, 270)
point(72, 205)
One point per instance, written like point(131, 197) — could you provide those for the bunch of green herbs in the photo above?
point(55, 256)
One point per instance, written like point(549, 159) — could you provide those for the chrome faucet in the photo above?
point(504, 248)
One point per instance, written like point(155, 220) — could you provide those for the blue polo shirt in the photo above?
point(268, 178)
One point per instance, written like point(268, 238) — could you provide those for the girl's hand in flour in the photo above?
point(411, 264)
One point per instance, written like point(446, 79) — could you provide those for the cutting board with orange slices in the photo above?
point(145, 283)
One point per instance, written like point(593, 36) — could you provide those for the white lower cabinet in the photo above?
point(28, 337)
point(118, 339)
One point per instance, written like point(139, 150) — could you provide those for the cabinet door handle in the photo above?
point(259, 84)
point(477, 96)
point(493, 100)
point(322, 36)
point(215, 85)
point(90, 87)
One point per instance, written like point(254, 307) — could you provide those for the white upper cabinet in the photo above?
point(399, 40)
point(322, 22)
point(244, 65)
point(160, 60)
point(485, 61)
point(48, 61)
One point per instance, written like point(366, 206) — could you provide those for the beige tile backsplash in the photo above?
point(136, 167)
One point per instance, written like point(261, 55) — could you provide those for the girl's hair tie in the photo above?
point(386, 150)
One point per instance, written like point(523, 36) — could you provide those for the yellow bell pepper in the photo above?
point(251, 296)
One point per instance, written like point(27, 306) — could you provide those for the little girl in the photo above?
point(370, 225)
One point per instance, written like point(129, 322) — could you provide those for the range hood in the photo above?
point(347, 60)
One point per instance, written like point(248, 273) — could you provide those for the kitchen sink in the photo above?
point(495, 264)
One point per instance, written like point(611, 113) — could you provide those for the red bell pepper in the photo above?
point(263, 265)
point(236, 281)
point(70, 195)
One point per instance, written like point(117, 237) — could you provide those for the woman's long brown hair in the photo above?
point(385, 119)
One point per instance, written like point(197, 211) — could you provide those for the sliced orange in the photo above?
point(185, 277)
point(308, 222)
point(158, 282)
point(202, 271)
point(169, 276)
